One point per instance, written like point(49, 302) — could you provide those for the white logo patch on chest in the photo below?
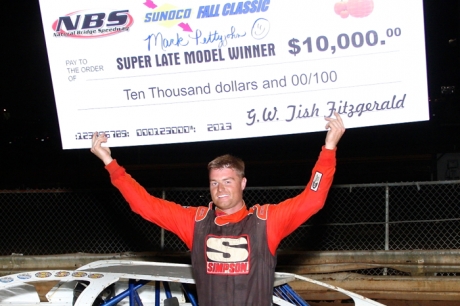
point(227, 255)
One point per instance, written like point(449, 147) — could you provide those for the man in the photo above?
point(233, 248)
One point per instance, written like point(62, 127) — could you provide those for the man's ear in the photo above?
point(243, 183)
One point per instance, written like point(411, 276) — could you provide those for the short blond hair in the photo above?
point(227, 161)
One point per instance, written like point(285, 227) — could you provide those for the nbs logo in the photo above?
point(92, 24)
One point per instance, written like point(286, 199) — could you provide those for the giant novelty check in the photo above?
point(156, 71)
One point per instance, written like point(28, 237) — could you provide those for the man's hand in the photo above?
point(97, 149)
point(335, 129)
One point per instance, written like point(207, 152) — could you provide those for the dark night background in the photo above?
point(31, 155)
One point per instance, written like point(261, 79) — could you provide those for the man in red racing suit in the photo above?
point(233, 248)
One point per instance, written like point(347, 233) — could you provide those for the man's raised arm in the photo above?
point(168, 215)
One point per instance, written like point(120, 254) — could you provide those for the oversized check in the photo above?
point(153, 72)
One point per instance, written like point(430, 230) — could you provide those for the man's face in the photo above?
point(226, 188)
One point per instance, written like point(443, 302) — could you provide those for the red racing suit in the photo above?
point(279, 220)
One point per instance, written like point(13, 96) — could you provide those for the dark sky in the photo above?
point(31, 154)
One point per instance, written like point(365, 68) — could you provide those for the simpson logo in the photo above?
point(316, 181)
point(92, 24)
point(227, 256)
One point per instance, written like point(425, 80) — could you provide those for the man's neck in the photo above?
point(220, 212)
